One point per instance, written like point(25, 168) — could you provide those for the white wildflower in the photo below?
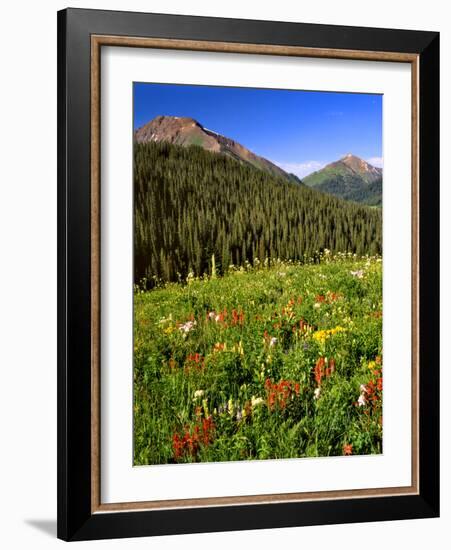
point(198, 394)
point(359, 273)
point(317, 393)
point(362, 400)
point(256, 401)
point(186, 327)
point(272, 342)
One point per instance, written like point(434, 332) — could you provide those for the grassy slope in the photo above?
point(255, 396)
point(327, 173)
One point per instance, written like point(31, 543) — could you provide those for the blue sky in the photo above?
point(299, 130)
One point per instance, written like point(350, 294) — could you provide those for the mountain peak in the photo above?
point(169, 123)
point(175, 119)
point(350, 178)
point(357, 164)
point(187, 131)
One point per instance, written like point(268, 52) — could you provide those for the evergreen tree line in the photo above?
point(190, 204)
point(350, 188)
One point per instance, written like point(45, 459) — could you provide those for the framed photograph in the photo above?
point(248, 274)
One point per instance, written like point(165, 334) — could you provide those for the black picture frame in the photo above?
point(76, 521)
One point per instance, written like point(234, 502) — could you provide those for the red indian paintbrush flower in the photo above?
point(347, 449)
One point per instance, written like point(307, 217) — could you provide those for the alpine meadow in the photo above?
point(257, 274)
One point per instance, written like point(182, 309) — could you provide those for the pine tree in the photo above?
point(191, 204)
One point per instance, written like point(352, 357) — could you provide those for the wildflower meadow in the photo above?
point(270, 360)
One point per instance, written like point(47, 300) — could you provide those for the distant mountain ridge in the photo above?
point(187, 131)
point(350, 178)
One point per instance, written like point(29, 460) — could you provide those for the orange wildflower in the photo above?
point(347, 449)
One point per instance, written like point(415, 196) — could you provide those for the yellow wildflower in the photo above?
point(238, 348)
point(205, 407)
point(322, 335)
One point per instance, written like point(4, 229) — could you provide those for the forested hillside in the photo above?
point(191, 204)
point(350, 188)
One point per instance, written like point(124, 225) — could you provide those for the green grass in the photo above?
point(265, 362)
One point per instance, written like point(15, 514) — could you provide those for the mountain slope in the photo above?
point(190, 204)
point(186, 131)
point(349, 178)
